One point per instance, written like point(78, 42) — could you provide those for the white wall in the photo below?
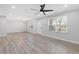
point(2, 26)
point(11, 26)
point(15, 26)
point(73, 27)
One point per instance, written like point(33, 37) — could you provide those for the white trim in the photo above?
point(2, 35)
point(71, 41)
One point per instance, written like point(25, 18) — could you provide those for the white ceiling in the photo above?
point(24, 12)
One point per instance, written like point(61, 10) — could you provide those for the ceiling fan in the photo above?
point(42, 10)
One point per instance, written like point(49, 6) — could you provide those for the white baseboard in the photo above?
point(71, 41)
point(15, 31)
point(2, 35)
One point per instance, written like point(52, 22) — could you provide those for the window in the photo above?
point(58, 24)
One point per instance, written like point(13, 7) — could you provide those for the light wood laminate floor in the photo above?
point(29, 43)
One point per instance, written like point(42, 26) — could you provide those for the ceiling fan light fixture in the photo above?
point(41, 12)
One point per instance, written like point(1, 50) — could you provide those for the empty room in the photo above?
point(39, 28)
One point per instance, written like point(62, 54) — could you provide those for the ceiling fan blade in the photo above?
point(42, 6)
point(36, 13)
point(34, 9)
point(41, 10)
point(44, 13)
point(47, 10)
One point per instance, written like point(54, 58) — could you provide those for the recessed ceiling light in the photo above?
point(66, 6)
point(13, 7)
